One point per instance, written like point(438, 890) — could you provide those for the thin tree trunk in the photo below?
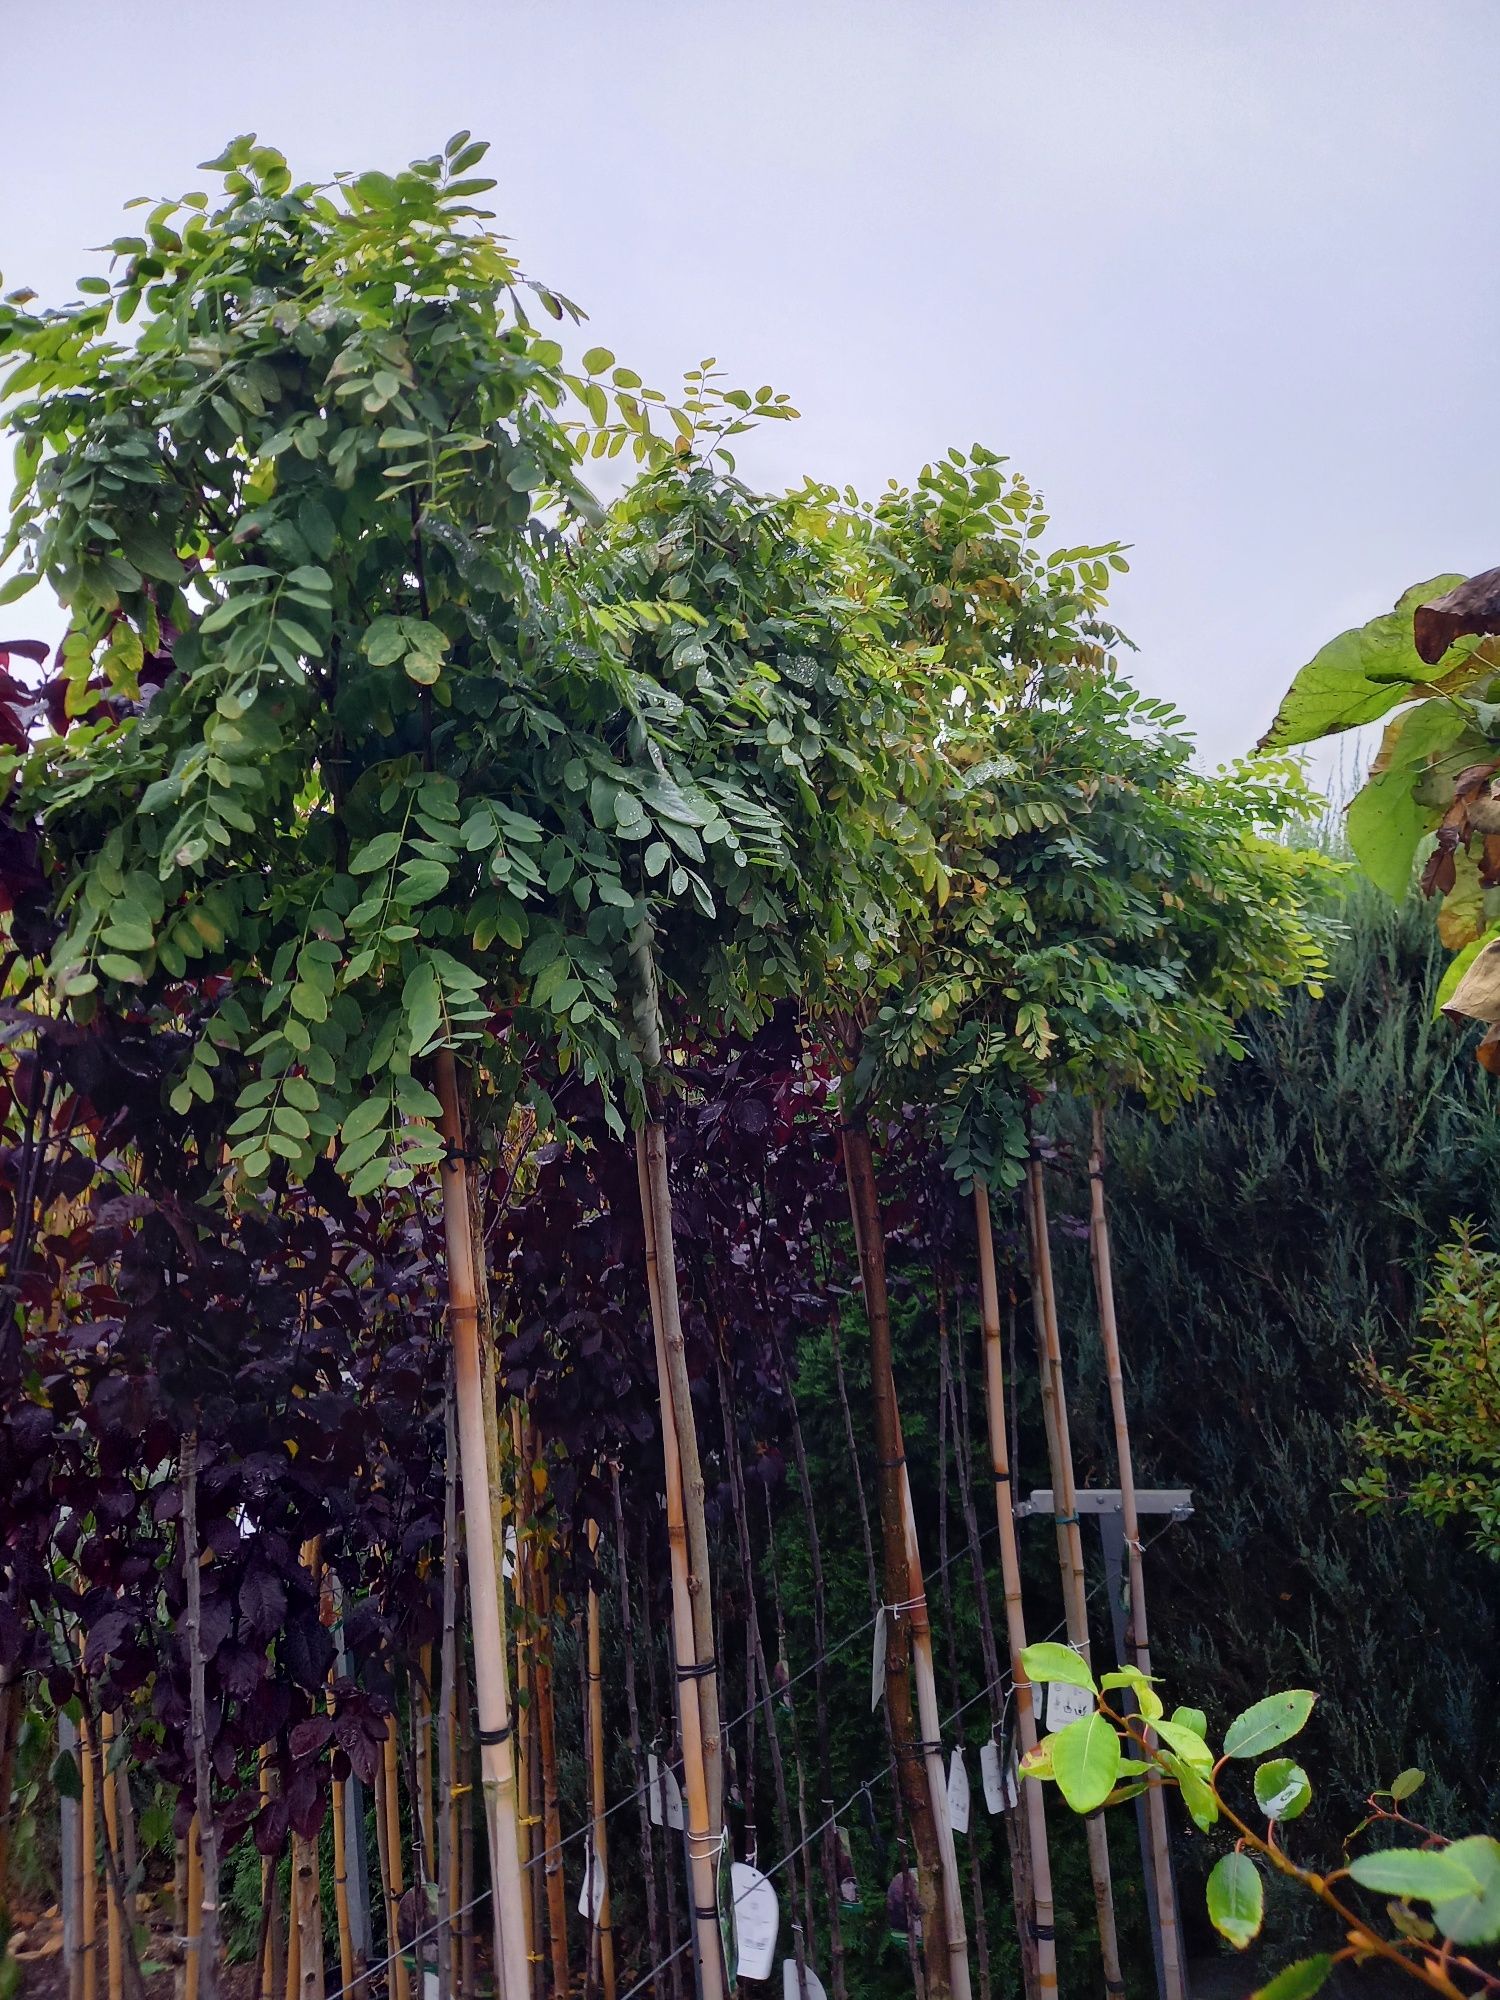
point(307, 1896)
point(273, 1948)
point(907, 1633)
point(12, 1709)
point(529, 1815)
point(702, 1823)
point(467, 1929)
point(208, 1841)
point(1137, 1636)
point(1069, 1534)
point(670, 1877)
point(633, 1716)
point(497, 1750)
point(421, 1723)
point(603, 1926)
point(552, 1857)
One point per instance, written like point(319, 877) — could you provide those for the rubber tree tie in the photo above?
point(1065, 1520)
point(490, 1737)
point(453, 1154)
point(700, 1670)
point(1002, 1479)
point(891, 1464)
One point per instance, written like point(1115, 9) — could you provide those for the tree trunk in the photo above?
point(541, 1687)
point(400, 1985)
point(1069, 1535)
point(908, 1636)
point(1042, 1915)
point(88, 1815)
point(447, 1900)
point(208, 1841)
point(1136, 1636)
point(118, 1917)
point(497, 1750)
point(702, 1830)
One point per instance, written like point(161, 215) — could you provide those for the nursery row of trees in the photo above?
point(489, 977)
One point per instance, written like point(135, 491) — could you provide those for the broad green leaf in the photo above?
point(1360, 675)
point(1268, 1723)
point(1048, 1662)
point(1473, 1918)
point(1406, 1782)
point(1282, 1789)
point(1299, 1981)
point(1197, 1795)
point(1192, 1718)
point(376, 853)
point(1086, 1761)
point(1236, 1899)
point(1430, 1873)
point(1386, 819)
point(1187, 1743)
point(364, 1117)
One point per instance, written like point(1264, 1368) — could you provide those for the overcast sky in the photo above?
point(1222, 278)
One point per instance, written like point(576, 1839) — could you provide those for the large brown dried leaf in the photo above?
point(1470, 607)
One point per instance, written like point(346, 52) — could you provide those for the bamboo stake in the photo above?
point(497, 1754)
point(633, 1717)
point(294, 1936)
point(599, 1835)
point(116, 1916)
point(1043, 1918)
point(528, 1817)
point(272, 1957)
point(307, 1900)
point(208, 1955)
point(1016, 1832)
point(675, 1388)
point(88, 1814)
point(395, 1864)
point(1137, 1635)
point(908, 1634)
point(1069, 1536)
point(193, 1935)
point(552, 1867)
point(447, 1902)
point(702, 1834)
point(466, 1935)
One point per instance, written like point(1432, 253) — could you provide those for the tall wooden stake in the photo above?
point(1137, 1636)
point(599, 1830)
point(945, 1948)
point(1043, 1919)
point(701, 1833)
point(88, 1765)
point(208, 1840)
point(1069, 1536)
point(117, 1917)
point(497, 1750)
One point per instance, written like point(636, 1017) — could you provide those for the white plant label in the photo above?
point(877, 1662)
point(508, 1560)
point(591, 1894)
point(958, 1793)
point(757, 1919)
point(1066, 1704)
point(793, 1988)
point(992, 1777)
point(662, 1778)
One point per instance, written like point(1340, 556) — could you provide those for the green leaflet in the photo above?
point(1360, 675)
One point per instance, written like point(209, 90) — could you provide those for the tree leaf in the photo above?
point(1430, 1873)
point(1473, 1918)
point(1282, 1789)
point(1359, 676)
point(1048, 1662)
point(1236, 1899)
point(1086, 1761)
point(1299, 1981)
point(1268, 1723)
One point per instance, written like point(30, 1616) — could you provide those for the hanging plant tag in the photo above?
point(877, 1662)
point(991, 1776)
point(958, 1793)
point(508, 1560)
point(757, 1919)
point(662, 1778)
point(1066, 1704)
point(795, 1988)
point(849, 1896)
point(591, 1895)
